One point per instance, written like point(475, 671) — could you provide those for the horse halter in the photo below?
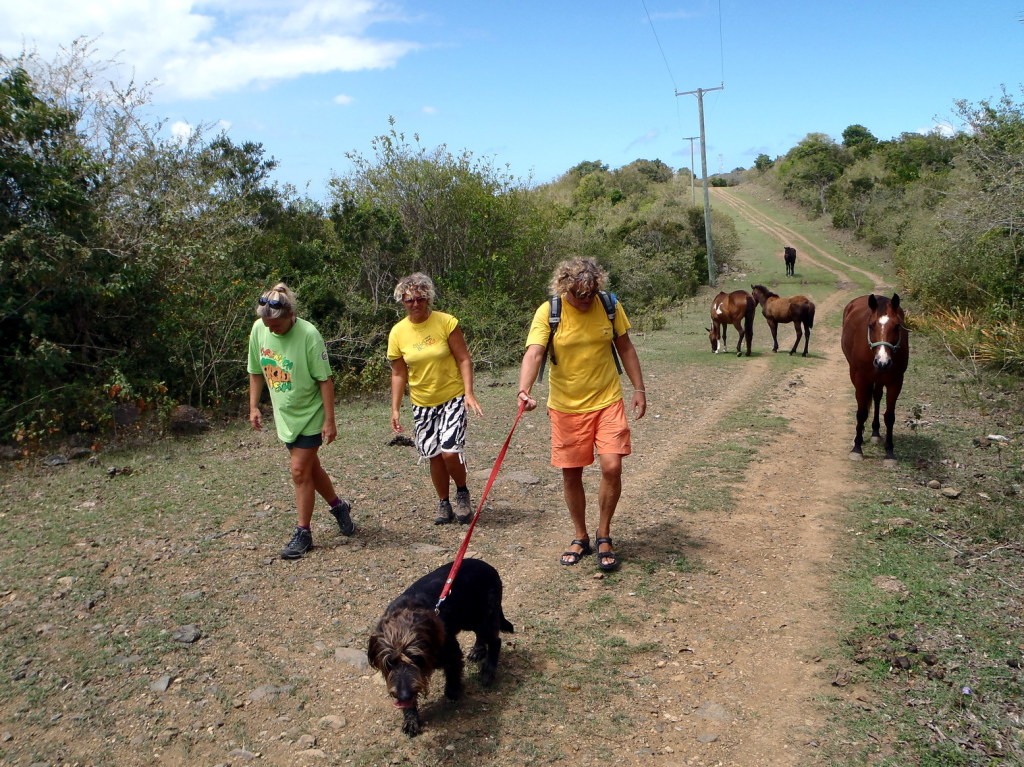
point(873, 344)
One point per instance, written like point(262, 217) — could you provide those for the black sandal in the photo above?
point(576, 555)
point(603, 555)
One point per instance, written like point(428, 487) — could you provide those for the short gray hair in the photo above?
point(416, 282)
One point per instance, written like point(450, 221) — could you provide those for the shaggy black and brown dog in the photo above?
point(411, 640)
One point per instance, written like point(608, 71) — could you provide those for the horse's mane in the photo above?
point(764, 290)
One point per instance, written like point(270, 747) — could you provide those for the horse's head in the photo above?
point(885, 329)
point(713, 337)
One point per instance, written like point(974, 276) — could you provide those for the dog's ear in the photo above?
point(435, 633)
point(374, 649)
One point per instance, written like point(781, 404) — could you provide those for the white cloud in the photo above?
point(942, 128)
point(181, 131)
point(196, 49)
point(343, 99)
point(429, 110)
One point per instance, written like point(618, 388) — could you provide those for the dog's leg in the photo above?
point(478, 651)
point(411, 724)
point(452, 664)
point(491, 647)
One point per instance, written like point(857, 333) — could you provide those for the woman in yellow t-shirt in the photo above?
point(585, 398)
point(428, 353)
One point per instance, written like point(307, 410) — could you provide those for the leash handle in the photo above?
point(469, 532)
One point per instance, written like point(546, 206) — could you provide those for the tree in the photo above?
point(816, 161)
point(859, 140)
point(980, 222)
point(50, 276)
point(910, 156)
point(763, 162)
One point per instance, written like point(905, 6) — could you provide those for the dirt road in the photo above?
point(711, 646)
point(752, 669)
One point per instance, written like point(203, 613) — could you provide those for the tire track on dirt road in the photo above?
point(788, 236)
point(747, 683)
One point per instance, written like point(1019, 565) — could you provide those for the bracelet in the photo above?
point(639, 391)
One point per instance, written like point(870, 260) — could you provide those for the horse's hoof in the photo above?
point(890, 463)
point(876, 439)
point(856, 456)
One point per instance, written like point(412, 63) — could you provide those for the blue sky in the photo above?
point(542, 86)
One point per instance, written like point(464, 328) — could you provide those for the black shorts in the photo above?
point(306, 441)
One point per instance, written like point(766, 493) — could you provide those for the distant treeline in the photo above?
point(130, 260)
point(948, 207)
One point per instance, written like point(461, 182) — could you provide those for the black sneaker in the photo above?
point(463, 507)
point(341, 513)
point(301, 542)
point(444, 512)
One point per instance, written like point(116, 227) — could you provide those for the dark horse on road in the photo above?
point(877, 346)
point(736, 309)
point(797, 309)
point(789, 256)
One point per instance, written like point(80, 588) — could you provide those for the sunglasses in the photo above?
point(581, 296)
point(273, 303)
point(415, 300)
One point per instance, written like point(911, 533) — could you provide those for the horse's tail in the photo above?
point(810, 315)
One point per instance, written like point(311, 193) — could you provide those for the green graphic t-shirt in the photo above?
point(292, 365)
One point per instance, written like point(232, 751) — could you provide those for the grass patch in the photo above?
point(943, 650)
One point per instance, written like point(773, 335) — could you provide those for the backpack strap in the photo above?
point(554, 317)
point(608, 301)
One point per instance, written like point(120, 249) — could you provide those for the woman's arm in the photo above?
point(528, 374)
point(457, 343)
point(631, 364)
point(399, 378)
point(255, 390)
point(330, 430)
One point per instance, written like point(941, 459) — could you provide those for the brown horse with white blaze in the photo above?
point(877, 346)
point(736, 309)
point(796, 309)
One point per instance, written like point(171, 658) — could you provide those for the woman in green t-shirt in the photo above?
point(428, 354)
point(288, 354)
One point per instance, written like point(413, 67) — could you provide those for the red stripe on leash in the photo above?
point(469, 532)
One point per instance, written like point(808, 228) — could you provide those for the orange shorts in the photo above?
point(575, 435)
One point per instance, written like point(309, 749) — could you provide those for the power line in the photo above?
point(721, 42)
point(658, 41)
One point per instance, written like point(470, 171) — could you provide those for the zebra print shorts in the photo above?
point(441, 428)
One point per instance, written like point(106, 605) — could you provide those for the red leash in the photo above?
point(469, 533)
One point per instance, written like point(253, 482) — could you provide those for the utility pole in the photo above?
point(693, 171)
point(699, 93)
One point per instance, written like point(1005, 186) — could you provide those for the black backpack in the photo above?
point(555, 317)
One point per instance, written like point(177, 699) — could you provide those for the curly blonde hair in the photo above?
point(416, 282)
point(284, 294)
point(581, 274)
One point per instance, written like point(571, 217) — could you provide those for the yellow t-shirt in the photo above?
point(434, 376)
point(585, 378)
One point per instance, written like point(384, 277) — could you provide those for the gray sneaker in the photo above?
point(463, 507)
point(444, 512)
point(301, 542)
point(341, 513)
